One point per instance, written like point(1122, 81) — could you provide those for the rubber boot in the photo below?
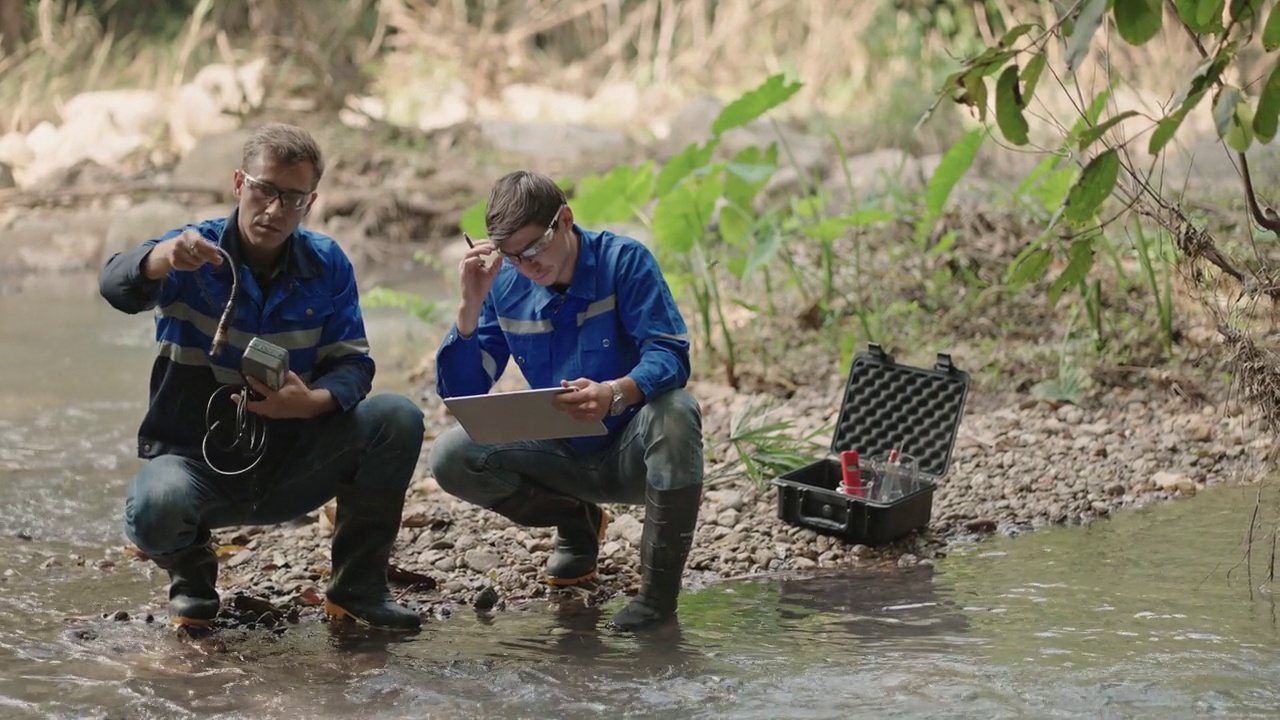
point(193, 577)
point(579, 528)
point(364, 533)
point(669, 520)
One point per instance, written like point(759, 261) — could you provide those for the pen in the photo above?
point(468, 239)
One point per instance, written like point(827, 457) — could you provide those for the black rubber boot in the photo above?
point(579, 528)
point(364, 533)
point(193, 576)
point(669, 520)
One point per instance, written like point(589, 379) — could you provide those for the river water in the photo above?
point(1151, 614)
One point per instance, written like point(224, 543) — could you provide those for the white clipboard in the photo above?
point(518, 415)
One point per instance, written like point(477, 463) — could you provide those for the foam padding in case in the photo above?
point(916, 410)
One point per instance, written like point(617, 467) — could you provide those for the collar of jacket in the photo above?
point(584, 270)
point(301, 263)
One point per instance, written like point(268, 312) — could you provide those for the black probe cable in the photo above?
point(250, 431)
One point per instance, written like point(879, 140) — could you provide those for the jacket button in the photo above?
point(310, 311)
point(146, 447)
point(520, 360)
point(606, 342)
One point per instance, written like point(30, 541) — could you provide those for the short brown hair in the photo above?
point(519, 199)
point(287, 144)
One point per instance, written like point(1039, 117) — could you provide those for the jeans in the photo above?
point(661, 446)
point(372, 449)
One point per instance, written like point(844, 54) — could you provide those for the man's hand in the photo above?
point(184, 253)
point(293, 400)
point(476, 273)
point(589, 400)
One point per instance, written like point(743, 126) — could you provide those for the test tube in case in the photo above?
point(896, 479)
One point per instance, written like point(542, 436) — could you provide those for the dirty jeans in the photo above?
point(373, 448)
point(661, 446)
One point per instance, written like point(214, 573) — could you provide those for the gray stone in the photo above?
point(211, 163)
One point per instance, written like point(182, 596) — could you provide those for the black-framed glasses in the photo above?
point(266, 192)
point(531, 250)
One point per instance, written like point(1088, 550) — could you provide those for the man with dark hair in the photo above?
point(224, 448)
point(590, 311)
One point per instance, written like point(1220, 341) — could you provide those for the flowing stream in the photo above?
point(1152, 614)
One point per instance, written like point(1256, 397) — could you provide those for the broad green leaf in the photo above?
point(767, 246)
point(692, 157)
point(472, 222)
point(1009, 107)
point(1266, 118)
point(954, 164)
point(613, 197)
point(1052, 192)
point(1224, 109)
point(1090, 117)
point(1138, 21)
point(1243, 11)
point(1031, 76)
point(754, 103)
point(748, 172)
point(1202, 16)
point(1029, 266)
point(1088, 137)
point(975, 94)
point(1016, 32)
point(1094, 186)
point(1240, 136)
point(681, 218)
point(1087, 24)
point(734, 223)
point(990, 61)
point(1079, 263)
point(1271, 32)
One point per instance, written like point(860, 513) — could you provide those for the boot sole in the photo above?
point(337, 613)
point(605, 519)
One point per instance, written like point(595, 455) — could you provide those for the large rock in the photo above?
point(132, 226)
point(211, 163)
point(130, 112)
point(571, 144)
point(44, 243)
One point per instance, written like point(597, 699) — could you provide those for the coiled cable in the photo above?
point(248, 436)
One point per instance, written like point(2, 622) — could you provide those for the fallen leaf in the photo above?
point(408, 577)
point(310, 596)
point(248, 603)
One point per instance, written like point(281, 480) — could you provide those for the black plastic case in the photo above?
point(886, 406)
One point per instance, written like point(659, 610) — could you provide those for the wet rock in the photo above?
point(120, 616)
point(481, 559)
point(486, 599)
point(626, 527)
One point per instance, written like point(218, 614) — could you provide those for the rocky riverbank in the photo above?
point(1018, 464)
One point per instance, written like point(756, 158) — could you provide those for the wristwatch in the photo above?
point(618, 404)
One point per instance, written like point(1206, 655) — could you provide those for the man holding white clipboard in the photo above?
point(588, 311)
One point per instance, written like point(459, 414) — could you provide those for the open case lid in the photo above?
point(916, 410)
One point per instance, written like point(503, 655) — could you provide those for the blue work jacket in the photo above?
point(616, 319)
point(311, 309)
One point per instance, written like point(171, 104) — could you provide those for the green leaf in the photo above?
point(1138, 21)
point(681, 218)
point(1009, 107)
point(767, 246)
point(1224, 109)
point(954, 164)
point(1087, 23)
point(691, 158)
point(1090, 136)
point(1094, 186)
point(614, 197)
point(748, 172)
point(754, 103)
point(472, 222)
point(1030, 266)
point(1090, 117)
point(1205, 76)
point(975, 94)
point(1079, 263)
point(734, 223)
point(1016, 32)
point(1268, 113)
point(1031, 76)
point(1243, 11)
point(1240, 136)
point(1271, 32)
point(1052, 192)
point(1202, 16)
